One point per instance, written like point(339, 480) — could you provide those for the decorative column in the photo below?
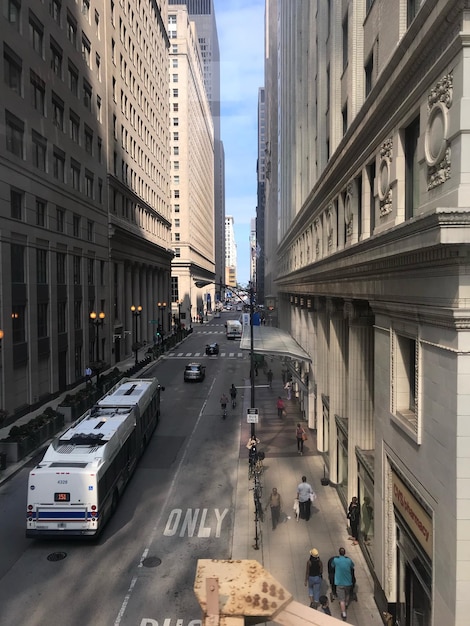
point(321, 369)
point(127, 319)
point(337, 377)
point(360, 385)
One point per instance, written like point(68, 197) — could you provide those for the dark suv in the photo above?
point(212, 348)
point(194, 372)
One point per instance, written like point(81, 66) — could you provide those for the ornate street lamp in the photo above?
point(97, 319)
point(136, 311)
point(161, 307)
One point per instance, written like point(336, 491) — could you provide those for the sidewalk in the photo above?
point(13, 468)
point(284, 552)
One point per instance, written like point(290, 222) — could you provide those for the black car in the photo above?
point(212, 348)
point(194, 372)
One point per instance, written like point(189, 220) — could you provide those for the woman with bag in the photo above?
point(301, 436)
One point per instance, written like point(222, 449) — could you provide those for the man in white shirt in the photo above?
point(305, 493)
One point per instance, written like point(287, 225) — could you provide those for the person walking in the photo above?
point(331, 578)
point(324, 606)
point(223, 405)
point(270, 378)
point(88, 375)
point(280, 407)
point(288, 388)
point(313, 577)
point(300, 435)
point(305, 494)
point(354, 513)
point(233, 395)
point(344, 568)
point(274, 503)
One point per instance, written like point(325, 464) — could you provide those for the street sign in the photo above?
point(252, 416)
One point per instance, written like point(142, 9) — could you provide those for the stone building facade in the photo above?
point(372, 277)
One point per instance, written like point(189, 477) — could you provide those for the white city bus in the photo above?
point(76, 487)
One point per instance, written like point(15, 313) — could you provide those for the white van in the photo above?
point(233, 329)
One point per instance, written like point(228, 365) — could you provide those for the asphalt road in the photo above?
point(177, 508)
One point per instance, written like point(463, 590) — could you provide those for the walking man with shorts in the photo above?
point(344, 568)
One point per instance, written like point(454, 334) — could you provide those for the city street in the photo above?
point(177, 508)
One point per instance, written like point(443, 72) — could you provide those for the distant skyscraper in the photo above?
point(257, 259)
point(230, 252)
point(203, 14)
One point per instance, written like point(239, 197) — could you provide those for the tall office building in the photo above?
point(192, 171)
point(84, 188)
point(258, 253)
point(230, 252)
point(373, 263)
point(202, 12)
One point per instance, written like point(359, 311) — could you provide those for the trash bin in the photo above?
point(3, 460)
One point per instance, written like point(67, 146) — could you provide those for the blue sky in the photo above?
point(240, 27)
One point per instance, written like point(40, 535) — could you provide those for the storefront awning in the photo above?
point(270, 340)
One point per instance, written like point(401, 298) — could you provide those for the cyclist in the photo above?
point(252, 446)
point(223, 405)
point(233, 395)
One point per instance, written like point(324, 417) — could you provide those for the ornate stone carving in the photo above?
point(384, 186)
point(442, 92)
point(329, 224)
point(349, 209)
point(439, 173)
point(436, 147)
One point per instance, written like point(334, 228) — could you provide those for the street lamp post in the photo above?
point(97, 319)
point(161, 308)
point(136, 311)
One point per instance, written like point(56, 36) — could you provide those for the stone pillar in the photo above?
point(128, 322)
point(321, 368)
point(360, 386)
point(337, 377)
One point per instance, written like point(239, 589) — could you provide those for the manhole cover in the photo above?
point(151, 561)
point(56, 556)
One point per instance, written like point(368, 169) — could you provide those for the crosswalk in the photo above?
point(198, 355)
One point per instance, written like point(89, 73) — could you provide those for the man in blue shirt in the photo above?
point(344, 569)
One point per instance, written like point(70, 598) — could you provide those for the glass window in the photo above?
point(17, 263)
point(13, 10)
point(12, 70)
point(75, 174)
point(60, 216)
point(61, 259)
point(91, 271)
point(40, 212)
point(14, 135)
point(16, 204)
point(86, 50)
point(58, 162)
point(73, 79)
point(56, 58)
point(88, 140)
point(90, 229)
point(74, 127)
point(18, 319)
point(77, 270)
point(89, 182)
point(57, 112)
point(42, 328)
point(55, 9)
point(36, 34)
point(41, 266)
point(62, 317)
point(38, 93)
point(72, 30)
point(39, 150)
point(77, 314)
point(76, 225)
point(87, 94)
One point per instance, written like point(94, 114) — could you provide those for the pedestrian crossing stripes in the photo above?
point(192, 355)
